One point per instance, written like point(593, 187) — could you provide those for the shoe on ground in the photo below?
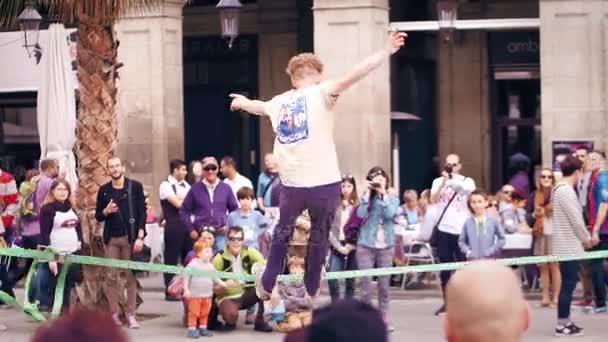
point(116, 319)
point(440, 310)
point(250, 318)
point(257, 270)
point(193, 333)
point(44, 308)
point(133, 322)
point(262, 327)
point(569, 329)
point(585, 302)
point(205, 333)
point(595, 310)
point(229, 327)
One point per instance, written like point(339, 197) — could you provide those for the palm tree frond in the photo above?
point(69, 11)
point(9, 11)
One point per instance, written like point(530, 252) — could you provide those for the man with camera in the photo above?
point(451, 193)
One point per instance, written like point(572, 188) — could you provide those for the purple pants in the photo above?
point(322, 203)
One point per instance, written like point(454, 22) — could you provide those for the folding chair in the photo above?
point(420, 252)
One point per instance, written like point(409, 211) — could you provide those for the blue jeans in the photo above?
point(339, 263)
point(598, 276)
point(42, 285)
point(46, 283)
point(569, 271)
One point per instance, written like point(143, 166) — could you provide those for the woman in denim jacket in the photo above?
point(376, 236)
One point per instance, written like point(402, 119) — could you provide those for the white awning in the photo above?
point(20, 73)
point(478, 24)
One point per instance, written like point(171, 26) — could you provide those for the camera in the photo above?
point(449, 169)
point(375, 185)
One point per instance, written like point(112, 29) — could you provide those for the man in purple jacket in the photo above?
point(207, 204)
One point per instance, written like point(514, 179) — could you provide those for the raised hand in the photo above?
point(395, 41)
point(238, 102)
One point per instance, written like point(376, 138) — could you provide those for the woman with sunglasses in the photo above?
point(342, 255)
point(540, 210)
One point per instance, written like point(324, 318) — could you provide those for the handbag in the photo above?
point(434, 240)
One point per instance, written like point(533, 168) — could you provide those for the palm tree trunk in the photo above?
point(96, 134)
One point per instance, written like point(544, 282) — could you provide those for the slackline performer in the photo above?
point(302, 119)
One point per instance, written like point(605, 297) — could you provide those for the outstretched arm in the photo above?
point(240, 102)
point(393, 44)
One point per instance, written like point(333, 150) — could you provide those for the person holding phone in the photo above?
point(121, 206)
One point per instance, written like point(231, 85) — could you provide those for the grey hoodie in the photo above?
point(484, 242)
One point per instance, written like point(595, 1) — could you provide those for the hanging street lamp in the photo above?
point(230, 11)
point(447, 14)
point(29, 22)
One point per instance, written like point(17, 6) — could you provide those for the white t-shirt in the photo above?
point(166, 188)
point(458, 211)
point(239, 182)
point(303, 122)
point(63, 234)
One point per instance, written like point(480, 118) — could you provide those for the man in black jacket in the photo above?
point(121, 205)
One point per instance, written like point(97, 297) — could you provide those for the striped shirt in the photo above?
point(8, 200)
point(569, 231)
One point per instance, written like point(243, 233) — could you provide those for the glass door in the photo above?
point(516, 121)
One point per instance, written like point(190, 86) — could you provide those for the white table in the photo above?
point(518, 241)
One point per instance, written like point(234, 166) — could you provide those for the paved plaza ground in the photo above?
point(411, 312)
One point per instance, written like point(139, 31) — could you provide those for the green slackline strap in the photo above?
point(32, 309)
point(161, 268)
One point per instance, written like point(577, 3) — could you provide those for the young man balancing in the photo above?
point(302, 119)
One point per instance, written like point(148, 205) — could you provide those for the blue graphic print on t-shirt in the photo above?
point(293, 121)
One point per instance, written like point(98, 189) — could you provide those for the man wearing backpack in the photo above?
point(30, 233)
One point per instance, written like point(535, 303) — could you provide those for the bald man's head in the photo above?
point(484, 302)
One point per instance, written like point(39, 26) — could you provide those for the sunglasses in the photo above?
point(546, 176)
point(208, 229)
point(210, 168)
point(235, 239)
point(348, 177)
point(507, 192)
point(493, 205)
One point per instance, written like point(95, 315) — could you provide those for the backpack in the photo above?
point(27, 199)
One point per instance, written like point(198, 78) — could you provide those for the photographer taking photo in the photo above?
point(451, 194)
point(376, 238)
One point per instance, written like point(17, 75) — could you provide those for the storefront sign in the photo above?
point(562, 148)
point(514, 48)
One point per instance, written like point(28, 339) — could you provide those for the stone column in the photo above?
point(278, 42)
point(345, 32)
point(463, 115)
point(573, 72)
point(150, 93)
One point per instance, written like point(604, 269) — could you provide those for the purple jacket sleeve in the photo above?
point(186, 210)
point(42, 190)
point(232, 203)
point(352, 226)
